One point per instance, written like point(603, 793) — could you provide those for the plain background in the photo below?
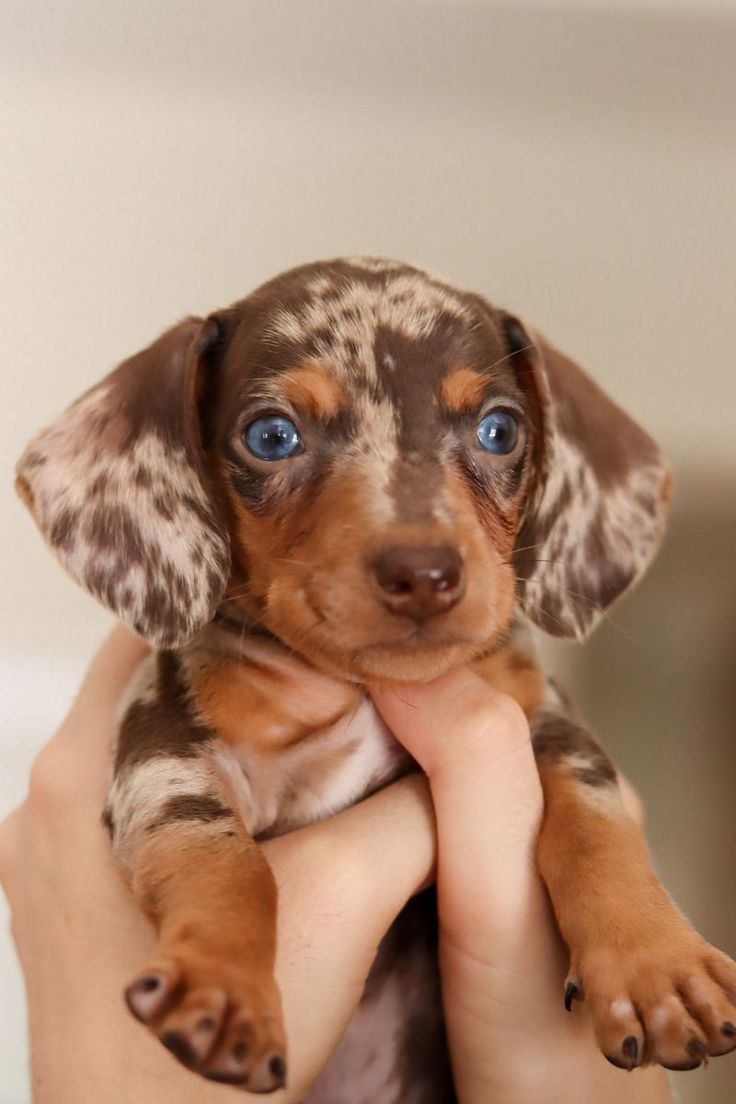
point(576, 163)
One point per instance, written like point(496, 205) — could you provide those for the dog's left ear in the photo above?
point(596, 515)
point(119, 488)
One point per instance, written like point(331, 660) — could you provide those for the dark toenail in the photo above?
point(696, 1048)
point(277, 1066)
point(240, 1050)
point(147, 984)
point(615, 1061)
point(205, 1024)
point(179, 1047)
point(572, 993)
point(728, 1028)
point(631, 1049)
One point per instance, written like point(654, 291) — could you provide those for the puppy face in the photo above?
point(375, 447)
point(375, 466)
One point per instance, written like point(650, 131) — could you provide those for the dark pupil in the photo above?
point(499, 431)
point(274, 439)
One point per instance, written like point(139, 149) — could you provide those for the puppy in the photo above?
point(358, 474)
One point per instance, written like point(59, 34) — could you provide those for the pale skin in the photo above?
point(471, 823)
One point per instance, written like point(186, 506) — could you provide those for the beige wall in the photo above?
point(576, 163)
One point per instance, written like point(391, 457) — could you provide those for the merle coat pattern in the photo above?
point(387, 547)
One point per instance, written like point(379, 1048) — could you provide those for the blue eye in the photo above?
point(498, 432)
point(272, 438)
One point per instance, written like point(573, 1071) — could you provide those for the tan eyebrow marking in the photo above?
point(462, 389)
point(310, 387)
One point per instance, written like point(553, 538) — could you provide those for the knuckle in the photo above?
point(8, 853)
point(7, 865)
point(495, 715)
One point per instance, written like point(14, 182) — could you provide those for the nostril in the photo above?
point(425, 577)
point(397, 586)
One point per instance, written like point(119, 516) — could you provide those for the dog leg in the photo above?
point(656, 990)
point(208, 994)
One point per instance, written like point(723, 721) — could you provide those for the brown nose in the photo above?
point(420, 582)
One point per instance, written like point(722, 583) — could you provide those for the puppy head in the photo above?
point(392, 465)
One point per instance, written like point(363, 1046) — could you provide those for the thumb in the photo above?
point(452, 719)
point(473, 743)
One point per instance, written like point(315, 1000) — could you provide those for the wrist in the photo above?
point(512, 1043)
point(530, 1070)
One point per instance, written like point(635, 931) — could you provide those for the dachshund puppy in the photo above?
point(358, 475)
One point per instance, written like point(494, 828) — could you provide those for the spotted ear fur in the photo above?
point(596, 516)
point(119, 489)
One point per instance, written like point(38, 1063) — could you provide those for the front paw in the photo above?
point(662, 995)
point(215, 1017)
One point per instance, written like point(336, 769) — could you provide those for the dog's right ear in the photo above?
point(119, 488)
point(596, 516)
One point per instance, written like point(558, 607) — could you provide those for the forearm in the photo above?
point(518, 1070)
point(502, 961)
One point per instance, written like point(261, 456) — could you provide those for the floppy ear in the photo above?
point(596, 516)
point(118, 487)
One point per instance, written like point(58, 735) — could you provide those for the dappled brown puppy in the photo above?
point(358, 474)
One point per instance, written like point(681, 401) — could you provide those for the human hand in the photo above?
point(80, 936)
point(502, 961)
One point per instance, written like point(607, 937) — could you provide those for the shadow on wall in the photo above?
point(658, 683)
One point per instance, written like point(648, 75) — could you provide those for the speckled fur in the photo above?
point(255, 583)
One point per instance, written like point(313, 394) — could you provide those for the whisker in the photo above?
point(524, 349)
point(538, 559)
point(239, 592)
point(528, 547)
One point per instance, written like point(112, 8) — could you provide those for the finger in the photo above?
point(9, 851)
point(341, 884)
point(432, 719)
point(474, 743)
point(106, 679)
point(76, 757)
point(364, 863)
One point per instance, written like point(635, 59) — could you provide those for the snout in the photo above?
point(419, 582)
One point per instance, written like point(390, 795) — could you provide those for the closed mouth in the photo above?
point(416, 641)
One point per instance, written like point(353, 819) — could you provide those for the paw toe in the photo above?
point(190, 1029)
point(151, 993)
point(675, 1039)
point(618, 1029)
point(250, 1053)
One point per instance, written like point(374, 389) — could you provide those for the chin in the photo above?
point(348, 653)
point(386, 663)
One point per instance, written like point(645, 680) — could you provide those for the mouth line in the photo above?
point(415, 641)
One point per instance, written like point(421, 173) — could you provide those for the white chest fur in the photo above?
point(315, 778)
